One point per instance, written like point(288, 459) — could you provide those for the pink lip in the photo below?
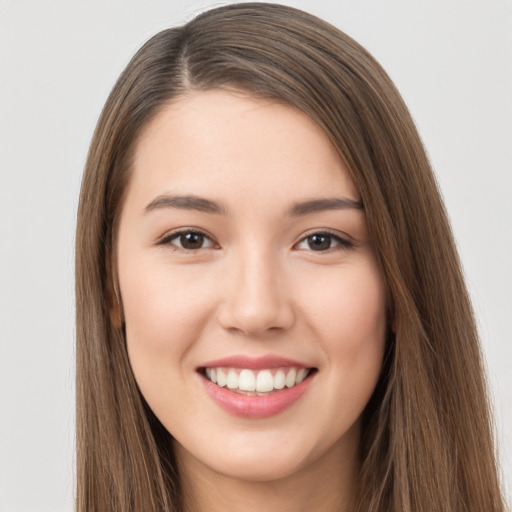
point(254, 407)
point(254, 363)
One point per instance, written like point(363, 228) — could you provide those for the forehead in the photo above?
point(217, 141)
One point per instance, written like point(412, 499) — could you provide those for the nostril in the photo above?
point(256, 319)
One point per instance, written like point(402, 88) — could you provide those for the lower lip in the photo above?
point(256, 406)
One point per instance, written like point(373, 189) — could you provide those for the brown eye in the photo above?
point(191, 240)
point(323, 242)
point(188, 241)
point(320, 242)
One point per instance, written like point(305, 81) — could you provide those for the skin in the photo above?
point(254, 287)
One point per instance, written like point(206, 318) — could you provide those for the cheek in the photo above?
point(348, 309)
point(164, 314)
point(160, 299)
point(348, 314)
point(354, 325)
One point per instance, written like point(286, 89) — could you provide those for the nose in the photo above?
point(255, 300)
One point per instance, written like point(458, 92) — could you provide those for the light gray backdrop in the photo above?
point(452, 61)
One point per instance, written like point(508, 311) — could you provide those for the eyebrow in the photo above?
point(187, 202)
point(192, 202)
point(320, 205)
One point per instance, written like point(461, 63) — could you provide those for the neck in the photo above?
point(327, 485)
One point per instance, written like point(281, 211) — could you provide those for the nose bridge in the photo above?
point(256, 300)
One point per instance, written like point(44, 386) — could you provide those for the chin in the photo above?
point(263, 456)
point(259, 468)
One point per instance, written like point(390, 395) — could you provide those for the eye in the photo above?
point(188, 240)
point(323, 241)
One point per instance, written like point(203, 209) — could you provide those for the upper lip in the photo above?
point(254, 363)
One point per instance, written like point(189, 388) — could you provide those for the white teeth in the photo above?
point(259, 383)
point(290, 378)
point(264, 381)
point(247, 381)
point(232, 380)
point(301, 375)
point(221, 377)
point(279, 379)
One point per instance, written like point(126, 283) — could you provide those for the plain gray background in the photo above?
point(452, 61)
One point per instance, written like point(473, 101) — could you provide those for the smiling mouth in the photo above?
point(263, 382)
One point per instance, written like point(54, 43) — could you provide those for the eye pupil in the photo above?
point(191, 240)
point(319, 242)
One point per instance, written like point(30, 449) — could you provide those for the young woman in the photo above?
point(270, 309)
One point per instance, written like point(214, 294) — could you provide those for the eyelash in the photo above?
point(342, 243)
point(168, 239)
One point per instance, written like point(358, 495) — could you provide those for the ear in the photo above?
point(113, 296)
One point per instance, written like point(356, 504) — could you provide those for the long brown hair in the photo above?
point(427, 439)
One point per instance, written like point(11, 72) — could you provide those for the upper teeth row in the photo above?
point(260, 381)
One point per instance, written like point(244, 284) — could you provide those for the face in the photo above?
point(253, 301)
